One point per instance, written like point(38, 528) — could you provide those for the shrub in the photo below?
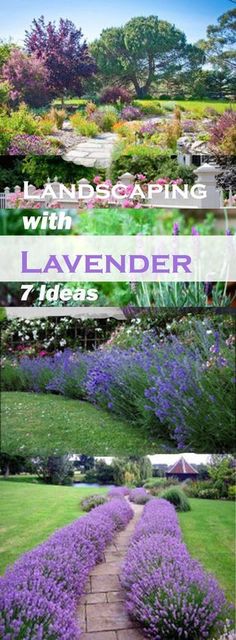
point(4, 93)
point(130, 113)
point(177, 497)
point(28, 78)
point(223, 134)
point(130, 158)
point(118, 492)
point(112, 95)
point(92, 501)
point(193, 489)
point(24, 144)
point(154, 482)
point(209, 494)
point(149, 107)
point(40, 592)
point(139, 495)
point(58, 116)
point(167, 592)
point(105, 118)
point(84, 127)
point(12, 377)
point(232, 493)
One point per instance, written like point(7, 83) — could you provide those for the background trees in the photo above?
point(144, 51)
point(64, 53)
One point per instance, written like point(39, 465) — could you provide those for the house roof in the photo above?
point(182, 467)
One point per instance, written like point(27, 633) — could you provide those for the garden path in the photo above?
point(93, 152)
point(102, 614)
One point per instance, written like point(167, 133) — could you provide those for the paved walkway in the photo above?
point(102, 614)
point(93, 152)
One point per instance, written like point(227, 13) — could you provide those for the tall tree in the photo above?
point(27, 77)
point(220, 44)
point(65, 54)
point(144, 51)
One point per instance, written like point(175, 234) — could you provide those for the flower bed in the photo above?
point(166, 384)
point(139, 495)
point(168, 592)
point(40, 592)
point(118, 492)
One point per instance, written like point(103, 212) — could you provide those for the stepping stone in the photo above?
point(111, 616)
point(104, 635)
point(94, 598)
point(106, 568)
point(130, 634)
point(105, 583)
point(116, 596)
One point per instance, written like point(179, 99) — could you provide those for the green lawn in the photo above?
point(209, 532)
point(198, 106)
point(31, 512)
point(40, 423)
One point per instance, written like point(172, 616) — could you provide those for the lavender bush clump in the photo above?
point(139, 495)
point(40, 592)
point(168, 592)
point(130, 113)
point(118, 492)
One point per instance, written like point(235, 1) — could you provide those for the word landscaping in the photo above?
point(118, 191)
point(106, 263)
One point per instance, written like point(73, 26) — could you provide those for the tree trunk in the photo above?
point(7, 471)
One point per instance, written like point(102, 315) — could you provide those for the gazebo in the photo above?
point(182, 470)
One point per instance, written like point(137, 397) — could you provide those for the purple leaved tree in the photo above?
point(65, 54)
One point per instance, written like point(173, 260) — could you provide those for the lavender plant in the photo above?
point(40, 592)
point(168, 592)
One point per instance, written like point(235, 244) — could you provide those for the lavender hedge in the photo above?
point(168, 592)
point(40, 592)
point(139, 495)
point(180, 388)
point(118, 492)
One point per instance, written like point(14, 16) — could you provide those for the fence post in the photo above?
point(127, 179)
point(206, 175)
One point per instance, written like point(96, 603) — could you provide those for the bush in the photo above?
point(152, 483)
point(209, 494)
point(40, 592)
point(165, 587)
point(232, 493)
point(112, 95)
point(12, 377)
point(193, 489)
point(24, 144)
point(92, 501)
point(130, 113)
point(84, 127)
point(149, 107)
point(28, 78)
point(4, 93)
point(105, 118)
point(57, 116)
point(139, 495)
point(177, 497)
point(130, 158)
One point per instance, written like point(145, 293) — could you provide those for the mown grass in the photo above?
point(197, 107)
point(209, 532)
point(40, 423)
point(31, 512)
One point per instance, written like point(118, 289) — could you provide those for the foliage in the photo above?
point(149, 107)
point(223, 134)
point(65, 55)
point(130, 113)
point(39, 594)
point(219, 46)
point(92, 501)
point(4, 93)
point(56, 470)
point(18, 122)
point(83, 126)
point(145, 50)
point(164, 586)
point(24, 144)
point(130, 158)
point(139, 495)
point(114, 95)
point(105, 118)
point(176, 496)
point(28, 79)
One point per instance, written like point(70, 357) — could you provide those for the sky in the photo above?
point(191, 16)
point(171, 458)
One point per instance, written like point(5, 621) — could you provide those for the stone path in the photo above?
point(102, 614)
point(93, 152)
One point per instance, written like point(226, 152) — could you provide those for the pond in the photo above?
point(89, 485)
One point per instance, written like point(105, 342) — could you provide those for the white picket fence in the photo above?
point(206, 176)
point(3, 204)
